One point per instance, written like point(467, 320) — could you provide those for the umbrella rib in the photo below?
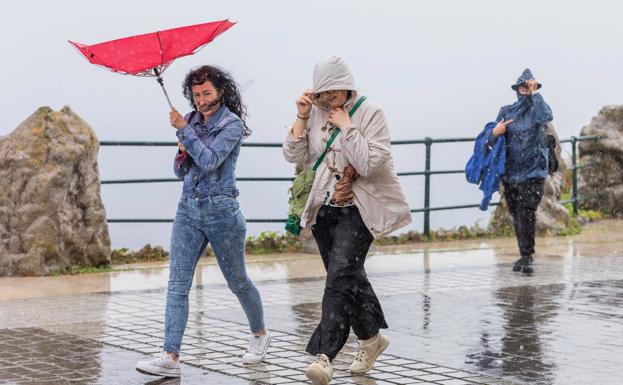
point(161, 51)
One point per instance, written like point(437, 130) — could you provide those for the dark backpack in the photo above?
point(553, 160)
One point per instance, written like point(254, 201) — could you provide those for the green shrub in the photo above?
point(272, 242)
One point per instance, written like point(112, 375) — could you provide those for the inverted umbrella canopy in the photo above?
point(150, 54)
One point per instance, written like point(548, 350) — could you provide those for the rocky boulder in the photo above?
point(51, 212)
point(552, 218)
point(602, 184)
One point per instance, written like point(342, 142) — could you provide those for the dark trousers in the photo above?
point(348, 300)
point(523, 199)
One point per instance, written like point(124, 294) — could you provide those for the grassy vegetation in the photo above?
point(273, 242)
point(146, 254)
point(77, 269)
point(590, 215)
point(458, 234)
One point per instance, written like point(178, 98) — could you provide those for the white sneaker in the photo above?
point(162, 365)
point(258, 346)
point(320, 372)
point(366, 355)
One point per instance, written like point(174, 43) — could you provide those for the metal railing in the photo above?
point(427, 173)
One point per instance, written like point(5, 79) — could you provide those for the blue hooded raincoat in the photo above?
point(526, 138)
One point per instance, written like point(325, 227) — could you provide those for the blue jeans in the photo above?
point(218, 220)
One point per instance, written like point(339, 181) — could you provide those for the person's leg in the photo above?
point(513, 201)
point(320, 372)
point(531, 195)
point(323, 232)
point(512, 195)
point(346, 257)
point(226, 228)
point(227, 235)
point(367, 315)
point(187, 244)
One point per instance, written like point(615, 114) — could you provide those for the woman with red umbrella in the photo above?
point(208, 211)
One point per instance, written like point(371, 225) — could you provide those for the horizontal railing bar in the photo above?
point(130, 181)
point(135, 220)
point(439, 140)
point(166, 180)
point(580, 138)
point(163, 220)
point(450, 207)
point(578, 199)
point(437, 172)
point(137, 144)
point(267, 220)
point(584, 165)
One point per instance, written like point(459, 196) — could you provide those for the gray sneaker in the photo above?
point(366, 355)
point(162, 365)
point(320, 372)
point(258, 346)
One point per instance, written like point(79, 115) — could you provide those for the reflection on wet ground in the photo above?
point(456, 312)
point(38, 356)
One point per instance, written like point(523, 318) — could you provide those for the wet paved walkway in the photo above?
point(456, 312)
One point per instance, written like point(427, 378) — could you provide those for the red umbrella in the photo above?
point(150, 54)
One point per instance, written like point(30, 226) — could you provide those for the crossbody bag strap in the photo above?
point(335, 133)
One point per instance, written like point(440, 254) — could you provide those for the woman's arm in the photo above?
point(367, 148)
point(542, 112)
point(295, 147)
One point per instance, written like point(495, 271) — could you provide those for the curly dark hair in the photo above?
point(224, 84)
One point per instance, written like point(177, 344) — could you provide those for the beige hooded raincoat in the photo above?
point(365, 144)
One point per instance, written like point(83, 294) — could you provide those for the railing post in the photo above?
point(428, 142)
point(574, 178)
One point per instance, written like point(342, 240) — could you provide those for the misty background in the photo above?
point(438, 69)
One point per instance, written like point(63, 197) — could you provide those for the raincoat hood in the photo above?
point(524, 77)
point(333, 74)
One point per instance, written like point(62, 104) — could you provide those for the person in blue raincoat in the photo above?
point(523, 125)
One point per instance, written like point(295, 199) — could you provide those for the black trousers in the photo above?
point(348, 300)
point(523, 199)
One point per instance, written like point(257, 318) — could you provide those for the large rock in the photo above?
point(51, 213)
point(602, 183)
point(551, 217)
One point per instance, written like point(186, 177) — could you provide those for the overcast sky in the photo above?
point(438, 68)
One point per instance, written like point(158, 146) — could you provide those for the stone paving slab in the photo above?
point(38, 356)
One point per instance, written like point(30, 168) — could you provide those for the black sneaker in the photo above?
point(527, 266)
point(524, 264)
point(518, 265)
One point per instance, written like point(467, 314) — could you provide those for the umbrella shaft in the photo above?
point(165, 91)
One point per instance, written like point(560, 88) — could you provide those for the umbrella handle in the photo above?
point(159, 79)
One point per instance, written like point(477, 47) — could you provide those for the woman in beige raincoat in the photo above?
point(355, 197)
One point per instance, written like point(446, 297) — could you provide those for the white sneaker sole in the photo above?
point(249, 360)
point(152, 370)
point(317, 376)
point(382, 347)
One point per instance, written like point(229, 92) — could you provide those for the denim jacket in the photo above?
point(213, 148)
